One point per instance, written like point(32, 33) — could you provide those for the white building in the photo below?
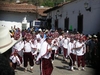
point(20, 15)
point(82, 15)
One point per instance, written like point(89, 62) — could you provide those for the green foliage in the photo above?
point(49, 3)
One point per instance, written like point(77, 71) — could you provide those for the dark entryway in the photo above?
point(31, 24)
point(49, 23)
point(80, 23)
point(66, 25)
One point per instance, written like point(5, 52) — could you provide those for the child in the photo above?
point(15, 60)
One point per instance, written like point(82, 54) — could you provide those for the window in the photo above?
point(37, 23)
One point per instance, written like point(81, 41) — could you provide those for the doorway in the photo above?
point(66, 25)
point(80, 23)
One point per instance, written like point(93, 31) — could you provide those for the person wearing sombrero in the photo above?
point(6, 43)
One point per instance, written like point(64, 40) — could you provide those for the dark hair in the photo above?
point(5, 68)
point(48, 38)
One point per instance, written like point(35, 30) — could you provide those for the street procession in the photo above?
point(49, 37)
point(43, 46)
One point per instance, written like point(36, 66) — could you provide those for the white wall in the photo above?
point(91, 19)
point(12, 18)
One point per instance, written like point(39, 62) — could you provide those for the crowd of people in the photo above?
point(42, 46)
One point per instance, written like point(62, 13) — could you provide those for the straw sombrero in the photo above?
point(6, 41)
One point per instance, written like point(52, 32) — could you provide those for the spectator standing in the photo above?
point(6, 43)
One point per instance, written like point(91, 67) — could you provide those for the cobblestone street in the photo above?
point(60, 68)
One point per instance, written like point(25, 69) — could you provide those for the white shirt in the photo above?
point(34, 49)
point(43, 51)
point(38, 36)
point(16, 47)
point(54, 44)
point(38, 46)
point(42, 40)
point(79, 52)
point(70, 47)
point(27, 46)
point(65, 43)
point(15, 59)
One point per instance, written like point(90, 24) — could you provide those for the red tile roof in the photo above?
point(41, 10)
point(18, 7)
point(23, 7)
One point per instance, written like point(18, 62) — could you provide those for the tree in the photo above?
point(49, 3)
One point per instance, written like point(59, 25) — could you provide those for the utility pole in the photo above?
point(36, 9)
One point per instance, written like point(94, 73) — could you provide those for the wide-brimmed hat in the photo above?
point(95, 36)
point(46, 30)
point(40, 30)
point(6, 42)
point(89, 36)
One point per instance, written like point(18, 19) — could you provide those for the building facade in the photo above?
point(80, 15)
point(20, 15)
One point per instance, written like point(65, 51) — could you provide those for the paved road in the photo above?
point(60, 68)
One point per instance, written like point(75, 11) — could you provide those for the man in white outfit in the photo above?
point(46, 66)
point(80, 51)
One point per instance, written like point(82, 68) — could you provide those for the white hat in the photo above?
point(94, 36)
point(67, 31)
point(46, 30)
point(40, 30)
point(89, 36)
point(6, 41)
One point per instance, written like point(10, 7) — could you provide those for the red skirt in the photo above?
point(46, 66)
